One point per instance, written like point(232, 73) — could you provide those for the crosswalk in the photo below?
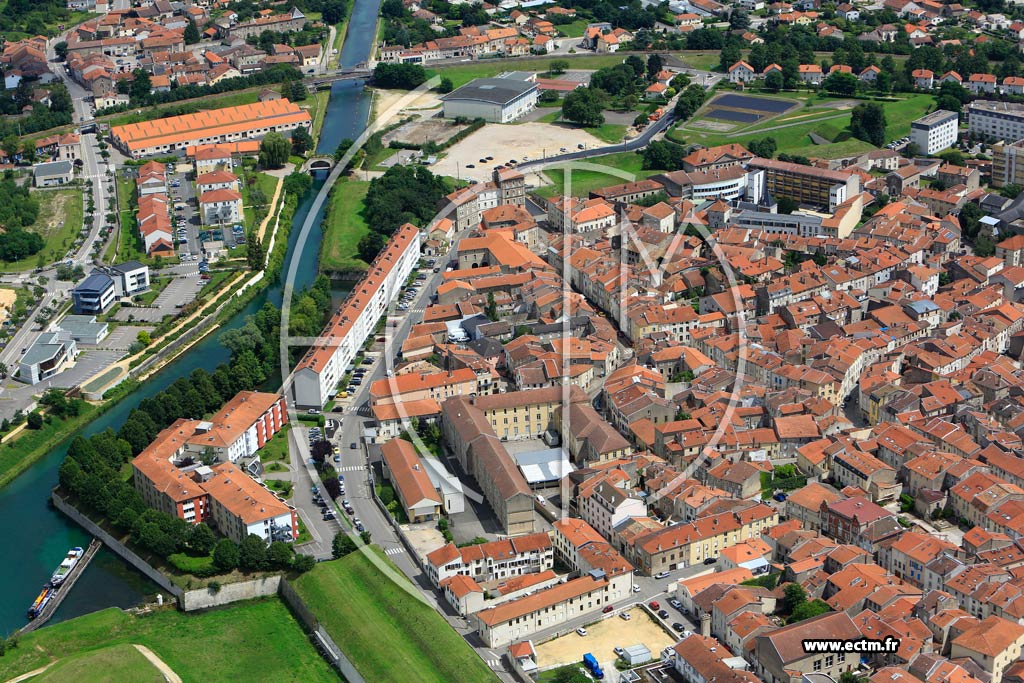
point(348, 468)
point(394, 551)
point(494, 663)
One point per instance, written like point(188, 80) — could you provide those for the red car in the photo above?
point(607, 609)
point(654, 606)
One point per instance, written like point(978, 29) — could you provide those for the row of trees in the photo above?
point(400, 76)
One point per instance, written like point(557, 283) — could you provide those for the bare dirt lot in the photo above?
point(424, 130)
point(384, 100)
point(505, 142)
point(602, 638)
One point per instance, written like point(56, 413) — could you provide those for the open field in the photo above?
point(820, 115)
point(583, 181)
point(117, 663)
point(601, 639)
point(58, 223)
point(387, 634)
point(344, 227)
point(504, 143)
point(486, 68)
point(218, 645)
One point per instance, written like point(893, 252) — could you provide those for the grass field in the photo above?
point(609, 132)
point(585, 181)
point(387, 634)
point(486, 68)
point(59, 221)
point(129, 243)
point(574, 29)
point(218, 645)
point(117, 663)
point(277, 447)
point(344, 227)
point(792, 129)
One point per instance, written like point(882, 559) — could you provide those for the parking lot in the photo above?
point(180, 291)
point(603, 637)
point(120, 338)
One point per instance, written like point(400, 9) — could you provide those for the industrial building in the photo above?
point(231, 124)
point(496, 100)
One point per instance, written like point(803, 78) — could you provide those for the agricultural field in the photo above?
point(389, 635)
point(816, 125)
point(225, 644)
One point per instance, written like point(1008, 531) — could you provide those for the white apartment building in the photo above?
point(935, 132)
point(319, 371)
point(494, 561)
point(606, 505)
point(997, 120)
point(220, 206)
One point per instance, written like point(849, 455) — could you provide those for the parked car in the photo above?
point(636, 588)
point(653, 604)
point(624, 616)
point(661, 575)
point(353, 446)
point(679, 628)
point(619, 651)
point(710, 560)
point(663, 613)
point(675, 603)
point(607, 609)
point(582, 631)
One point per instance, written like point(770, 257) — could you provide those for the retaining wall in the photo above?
point(204, 598)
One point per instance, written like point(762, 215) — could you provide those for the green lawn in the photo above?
point(277, 447)
point(129, 246)
point(117, 663)
point(585, 181)
point(792, 130)
point(190, 563)
point(281, 486)
point(59, 221)
point(609, 132)
point(486, 68)
point(386, 633)
point(344, 227)
point(574, 29)
point(225, 644)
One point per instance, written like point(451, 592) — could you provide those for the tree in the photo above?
point(809, 609)
point(773, 82)
point(491, 311)
point(61, 49)
point(143, 338)
point(558, 67)
point(1010, 191)
point(225, 555)
point(365, 537)
point(400, 76)
point(201, 539)
point(446, 85)
point(274, 150)
point(841, 83)
point(191, 33)
point(584, 106)
point(141, 86)
point(392, 9)
point(35, 421)
point(739, 20)
point(867, 123)
point(303, 563)
point(654, 66)
point(342, 545)
point(663, 155)
point(764, 148)
point(280, 554)
point(793, 595)
point(371, 244)
point(302, 141)
point(570, 674)
point(787, 205)
point(252, 553)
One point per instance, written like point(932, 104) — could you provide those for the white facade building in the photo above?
point(997, 120)
point(323, 366)
point(497, 100)
point(935, 132)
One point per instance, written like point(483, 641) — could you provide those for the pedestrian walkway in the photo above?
point(394, 551)
point(349, 468)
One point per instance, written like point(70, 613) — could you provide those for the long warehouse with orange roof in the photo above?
point(231, 124)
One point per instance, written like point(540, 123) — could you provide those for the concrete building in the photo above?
point(809, 185)
point(319, 371)
point(497, 100)
point(230, 124)
point(935, 131)
point(53, 173)
point(996, 120)
point(95, 294)
point(130, 278)
point(219, 207)
point(1008, 164)
point(51, 354)
point(239, 507)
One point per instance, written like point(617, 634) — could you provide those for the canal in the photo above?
point(38, 536)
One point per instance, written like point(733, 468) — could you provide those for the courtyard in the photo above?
point(603, 637)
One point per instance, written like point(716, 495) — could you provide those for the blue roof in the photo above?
point(96, 282)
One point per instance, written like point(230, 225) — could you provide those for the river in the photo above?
point(38, 536)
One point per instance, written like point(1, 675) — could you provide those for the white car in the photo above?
point(636, 588)
point(661, 575)
point(582, 631)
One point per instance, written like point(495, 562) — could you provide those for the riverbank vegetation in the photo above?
point(344, 227)
point(380, 609)
point(225, 644)
point(404, 194)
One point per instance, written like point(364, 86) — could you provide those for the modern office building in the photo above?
point(996, 120)
point(807, 185)
point(323, 366)
point(95, 294)
point(130, 278)
point(51, 353)
point(230, 124)
point(935, 132)
point(497, 100)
